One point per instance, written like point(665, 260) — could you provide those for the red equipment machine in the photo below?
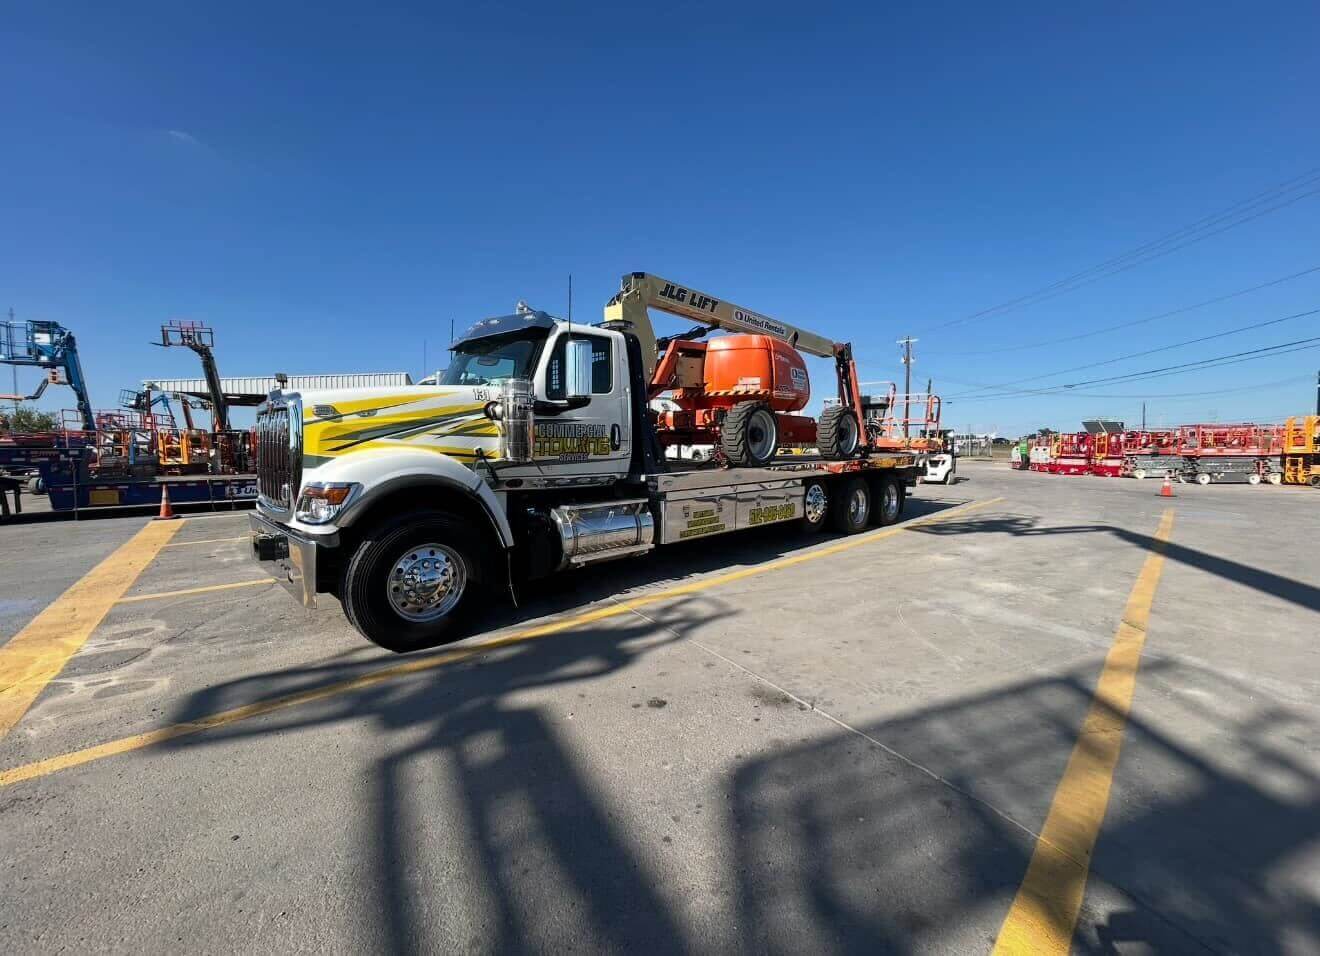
point(1072, 453)
point(1232, 453)
point(1107, 454)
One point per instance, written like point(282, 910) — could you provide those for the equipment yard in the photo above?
point(930, 736)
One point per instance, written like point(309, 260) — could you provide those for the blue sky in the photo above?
point(328, 185)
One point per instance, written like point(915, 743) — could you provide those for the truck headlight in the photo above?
point(320, 501)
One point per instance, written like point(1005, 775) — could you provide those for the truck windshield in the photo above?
point(490, 360)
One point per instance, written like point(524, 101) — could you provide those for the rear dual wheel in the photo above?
point(859, 503)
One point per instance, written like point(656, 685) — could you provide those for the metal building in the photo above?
point(252, 390)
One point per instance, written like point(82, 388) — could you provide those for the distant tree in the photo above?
point(25, 418)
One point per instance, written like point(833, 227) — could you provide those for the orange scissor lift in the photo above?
point(1301, 451)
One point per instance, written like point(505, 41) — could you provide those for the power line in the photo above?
point(1269, 351)
point(1164, 348)
point(1133, 395)
point(1150, 318)
point(1152, 250)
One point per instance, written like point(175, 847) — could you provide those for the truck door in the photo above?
point(594, 439)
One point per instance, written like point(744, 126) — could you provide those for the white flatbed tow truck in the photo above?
point(535, 452)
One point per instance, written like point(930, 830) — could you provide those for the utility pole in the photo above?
point(907, 344)
point(14, 368)
point(1317, 384)
point(1143, 416)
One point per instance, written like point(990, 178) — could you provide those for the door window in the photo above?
point(602, 367)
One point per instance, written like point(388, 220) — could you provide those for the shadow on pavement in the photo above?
point(1288, 589)
point(480, 803)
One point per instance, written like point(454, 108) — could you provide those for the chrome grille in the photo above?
point(279, 453)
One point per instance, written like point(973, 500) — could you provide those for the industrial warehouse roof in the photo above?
point(250, 390)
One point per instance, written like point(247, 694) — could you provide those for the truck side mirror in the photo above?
point(577, 370)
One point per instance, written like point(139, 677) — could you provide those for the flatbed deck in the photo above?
point(710, 475)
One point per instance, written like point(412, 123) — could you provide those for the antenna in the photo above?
point(570, 298)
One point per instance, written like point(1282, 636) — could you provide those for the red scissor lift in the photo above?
point(1072, 453)
point(1107, 454)
point(1231, 453)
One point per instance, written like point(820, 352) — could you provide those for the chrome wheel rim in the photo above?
point(889, 503)
point(761, 437)
point(816, 504)
point(426, 582)
point(857, 506)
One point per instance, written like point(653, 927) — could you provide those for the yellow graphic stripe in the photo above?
point(378, 401)
point(325, 438)
point(1044, 913)
point(77, 758)
point(35, 655)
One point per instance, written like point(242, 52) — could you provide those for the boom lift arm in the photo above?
point(50, 346)
point(201, 339)
point(641, 291)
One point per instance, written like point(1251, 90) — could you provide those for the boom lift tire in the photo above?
point(412, 580)
point(837, 435)
point(888, 501)
point(750, 435)
point(850, 511)
point(815, 506)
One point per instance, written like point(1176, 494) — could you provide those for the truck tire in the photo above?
point(850, 512)
point(1253, 479)
point(1314, 481)
point(888, 501)
point(815, 506)
point(1203, 478)
point(750, 435)
point(36, 485)
point(412, 581)
point(837, 434)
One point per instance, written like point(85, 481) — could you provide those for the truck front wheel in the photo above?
point(411, 581)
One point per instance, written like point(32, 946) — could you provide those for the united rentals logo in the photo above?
point(761, 322)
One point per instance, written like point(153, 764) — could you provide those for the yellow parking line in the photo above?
point(36, 654)
point(188, 544)
point(1044, 913)
point(43, 768)
point(184, 591)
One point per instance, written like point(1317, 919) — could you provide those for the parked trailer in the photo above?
point(226, 490)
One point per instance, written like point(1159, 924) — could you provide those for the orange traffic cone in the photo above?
point(166, 512)
point(1166, 490)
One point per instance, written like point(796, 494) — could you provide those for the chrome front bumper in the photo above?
point(286, 556)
